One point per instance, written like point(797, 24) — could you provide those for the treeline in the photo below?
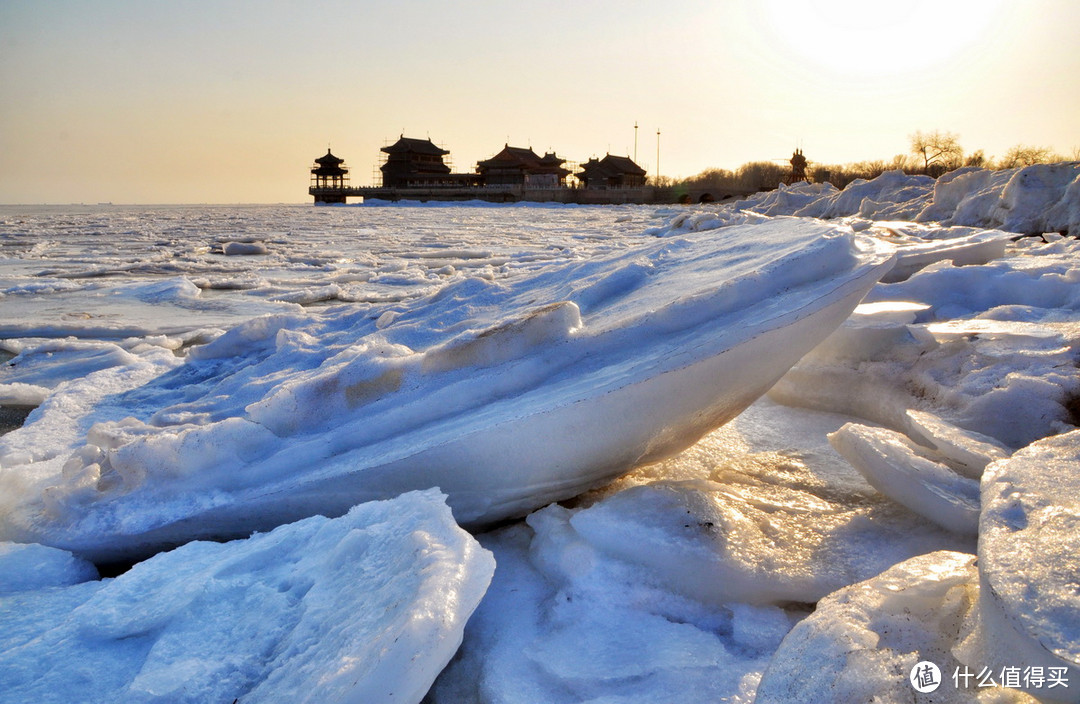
point(932, 153)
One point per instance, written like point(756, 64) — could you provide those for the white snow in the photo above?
point(1029, 200)
point(29, 566)
point(368, 607)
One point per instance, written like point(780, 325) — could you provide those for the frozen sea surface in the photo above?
point(115, 272)
point(820, 545)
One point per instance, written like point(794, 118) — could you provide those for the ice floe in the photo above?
point(1029, 539)
point(864, 642)
point(501, 394)
point(366, 607)
point(908, 474)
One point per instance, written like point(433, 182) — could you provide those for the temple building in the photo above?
point(418, 163)
point(611, 172)
point(329, 173)
point(798, 168)
point(521, 166)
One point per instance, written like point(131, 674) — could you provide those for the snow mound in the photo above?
point(367, 607)
point(1030, 200)
point(893, 195)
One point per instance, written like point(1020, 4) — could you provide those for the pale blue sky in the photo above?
point(227, 101)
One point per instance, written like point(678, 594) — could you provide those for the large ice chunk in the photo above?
point(368, 607)
point(993, 352)
point(766, 532)
point(966, 451)
point(506, 395)
point(863, 642)
point(1029, 540)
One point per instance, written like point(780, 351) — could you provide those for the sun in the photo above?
point(872, 38)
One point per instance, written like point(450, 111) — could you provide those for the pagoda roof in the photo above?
point(523, 157)
point(612, 165)
point(329, 159)
point(418, 146)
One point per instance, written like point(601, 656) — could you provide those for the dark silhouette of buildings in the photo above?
point(519, 166)
point(611, 172)
point(329, 178)
point(798, 168)
point(418, 163)
point(416, 169)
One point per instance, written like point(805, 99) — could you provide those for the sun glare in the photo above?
point(868, 38)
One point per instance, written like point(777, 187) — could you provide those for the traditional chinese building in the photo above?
point(418, 163)
point(328, 177)
point(611, 172)
point(521, 166)
point(798, 168)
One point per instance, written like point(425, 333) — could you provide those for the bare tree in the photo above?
point(977, 158)
point(939, 150)
point(760, 175)
point(1024, 155)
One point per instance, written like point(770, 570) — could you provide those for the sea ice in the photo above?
point(862, 643)
point(561, 624)
point(1029, 540)
point(368, 607)
point(29, 566)
point(502, 394)
point(965, 451)
point(1030, 200)
point(995, 343)
point(910, 475)
point(627, 595)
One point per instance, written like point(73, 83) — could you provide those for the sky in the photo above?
point(229, 101)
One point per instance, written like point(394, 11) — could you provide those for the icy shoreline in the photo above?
point(854, 486)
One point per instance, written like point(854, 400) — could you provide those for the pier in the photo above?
point(506, 193)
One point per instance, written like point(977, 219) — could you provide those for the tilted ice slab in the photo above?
point(507, 395)
point(862, 642)
point(908, 474)
point(368, 607)
point(978, 248)
point(1029, 543)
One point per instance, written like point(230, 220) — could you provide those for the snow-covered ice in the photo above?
point(368, 607)
point(862, 642)
point(500, 393)
point(1029, 539)
point(175, 358)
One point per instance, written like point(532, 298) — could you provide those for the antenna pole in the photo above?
point(658, 155)
point(635, 141)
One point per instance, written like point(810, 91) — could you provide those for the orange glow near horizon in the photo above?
point(135, 102)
